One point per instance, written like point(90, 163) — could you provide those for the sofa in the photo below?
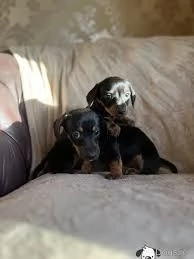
point(87, 216)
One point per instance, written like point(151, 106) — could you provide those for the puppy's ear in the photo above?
point(139, 252)
point(92, 94)
point(132, 94)
point(157, 252)
point(58, 123)
point(133, 98)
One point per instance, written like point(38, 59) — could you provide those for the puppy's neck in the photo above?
point(120, 120)
point(124, 121)
point(99, 108)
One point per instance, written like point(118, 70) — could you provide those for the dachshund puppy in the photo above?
point(76, 146)
point(124, 147)
point(110, 99)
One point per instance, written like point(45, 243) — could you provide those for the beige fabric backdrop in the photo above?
point(57, 21)
point(159, 68)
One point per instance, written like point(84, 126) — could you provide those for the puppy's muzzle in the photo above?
point(122, 109)
point(90, 154)
point(148, 257)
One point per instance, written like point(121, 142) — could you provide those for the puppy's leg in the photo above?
point(113, 159)
point(135, 165)
point(111, 150)
point(86, 167)
point(116, 169)
point(151, 165)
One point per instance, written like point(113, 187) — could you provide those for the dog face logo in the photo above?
point(148, 253)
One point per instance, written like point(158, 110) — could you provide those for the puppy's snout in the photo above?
point(148, 257)
point(90, 150)
point(92, 156)
point(122, 108)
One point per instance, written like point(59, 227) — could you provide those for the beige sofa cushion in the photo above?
point(87, 216)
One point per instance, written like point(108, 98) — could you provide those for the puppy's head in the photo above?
point(114, 94)
point(82, 127)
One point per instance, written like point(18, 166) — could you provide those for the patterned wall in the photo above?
point(59, 21)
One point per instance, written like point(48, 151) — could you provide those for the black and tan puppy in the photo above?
point(110, 99)
point(76, 146)
point(123, 145)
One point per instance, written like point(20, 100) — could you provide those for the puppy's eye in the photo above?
point(97, 132)
point(108, 96)
point(76, 134)
point(127, 94)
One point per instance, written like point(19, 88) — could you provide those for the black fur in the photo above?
point(132, 142)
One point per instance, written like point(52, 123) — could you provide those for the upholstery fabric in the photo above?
point(87, 216)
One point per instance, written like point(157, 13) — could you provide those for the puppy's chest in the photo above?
point(129, 143)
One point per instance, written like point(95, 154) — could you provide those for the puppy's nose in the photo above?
point(92, 156)
point(148, 257)
point(122, 108)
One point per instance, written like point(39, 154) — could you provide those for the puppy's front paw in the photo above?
point(112, 177)
point(86, 167)
point(116, 170)
point(127, 171)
